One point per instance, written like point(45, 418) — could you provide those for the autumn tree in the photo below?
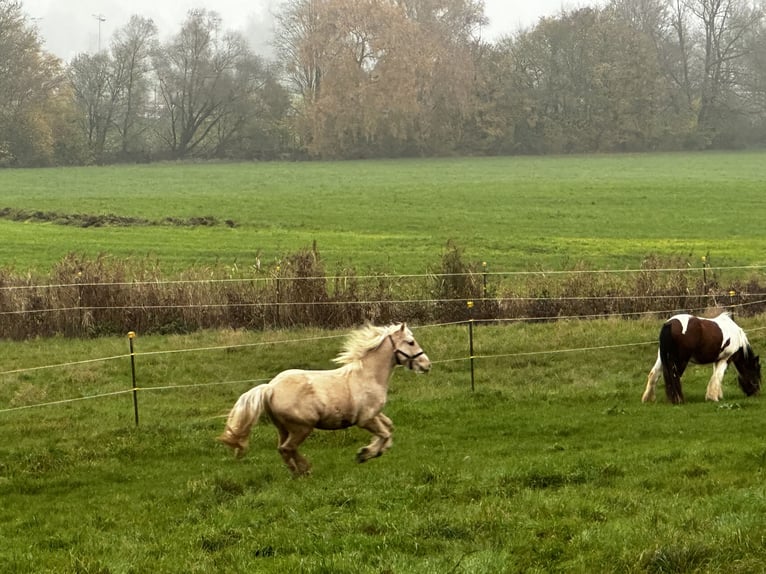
point(448, 41)
point(379, 77)
point(29, 80)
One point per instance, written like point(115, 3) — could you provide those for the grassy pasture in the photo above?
point(551, 465)
point(396, 216)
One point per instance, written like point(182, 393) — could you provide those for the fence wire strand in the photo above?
point(272, 277)
point(288, 304)
point(326, 337)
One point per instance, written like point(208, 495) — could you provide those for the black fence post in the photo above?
point(469, 304)
point(131, 336)
point(279, 300)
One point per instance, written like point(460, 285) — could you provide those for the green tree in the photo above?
point(586, 81)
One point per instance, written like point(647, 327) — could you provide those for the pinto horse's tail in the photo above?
point(670, 362)
point(243, 415)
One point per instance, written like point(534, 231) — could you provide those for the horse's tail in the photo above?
point(669, 358)
point(243, 415)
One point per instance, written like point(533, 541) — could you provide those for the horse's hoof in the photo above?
point(361, 456)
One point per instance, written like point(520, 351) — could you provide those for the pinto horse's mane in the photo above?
point(728, 327)
point(363, 340)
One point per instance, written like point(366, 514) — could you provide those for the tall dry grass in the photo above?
point(85, 297)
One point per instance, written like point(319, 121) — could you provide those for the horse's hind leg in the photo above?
point(288, 448)
point(651, 382)
point(381, 427)
point(672, 374)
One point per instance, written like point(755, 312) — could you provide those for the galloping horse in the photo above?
point(298, 401)
point(721, 341)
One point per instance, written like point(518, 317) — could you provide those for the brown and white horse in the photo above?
point(720, 341)
point(298, 401)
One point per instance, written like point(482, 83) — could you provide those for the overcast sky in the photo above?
point(72, 26)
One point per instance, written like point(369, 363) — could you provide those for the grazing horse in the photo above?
point(720, 341)
point(298, 401)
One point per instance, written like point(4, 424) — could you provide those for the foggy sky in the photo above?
point(72, 26)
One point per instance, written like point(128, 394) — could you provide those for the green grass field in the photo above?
point(397, 216)
point(551, 464)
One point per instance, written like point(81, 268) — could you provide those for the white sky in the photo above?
point(72, 26)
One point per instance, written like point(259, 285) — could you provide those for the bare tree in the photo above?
point(131, 49)
point(301, 42)
point(97, 91)
point(198, 81)
point(252, 123)
point(725, 27)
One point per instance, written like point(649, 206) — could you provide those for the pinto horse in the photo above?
point(298, 401)
point(720, 341)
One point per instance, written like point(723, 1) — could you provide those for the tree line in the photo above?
point(391, 78)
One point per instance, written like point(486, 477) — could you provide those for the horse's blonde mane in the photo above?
point(362, 341)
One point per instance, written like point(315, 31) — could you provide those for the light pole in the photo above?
point(101, 18)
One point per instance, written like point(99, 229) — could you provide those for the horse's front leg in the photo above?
point(381, 426)
point(714, 389)
point(651, 382)
point(388, 423)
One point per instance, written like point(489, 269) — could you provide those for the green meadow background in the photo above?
point(550, 464)
point(520, 213)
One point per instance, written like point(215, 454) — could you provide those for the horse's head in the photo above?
point(407, 351)
point(749, 373)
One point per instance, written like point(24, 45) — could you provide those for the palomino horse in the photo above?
point(298, 401)
point(721, 341)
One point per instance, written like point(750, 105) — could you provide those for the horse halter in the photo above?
point(409, 358)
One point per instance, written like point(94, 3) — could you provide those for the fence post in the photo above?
point(469, 304)
point(131, 336)
point(704, 275)
point(279, 300)
point(79, 330)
